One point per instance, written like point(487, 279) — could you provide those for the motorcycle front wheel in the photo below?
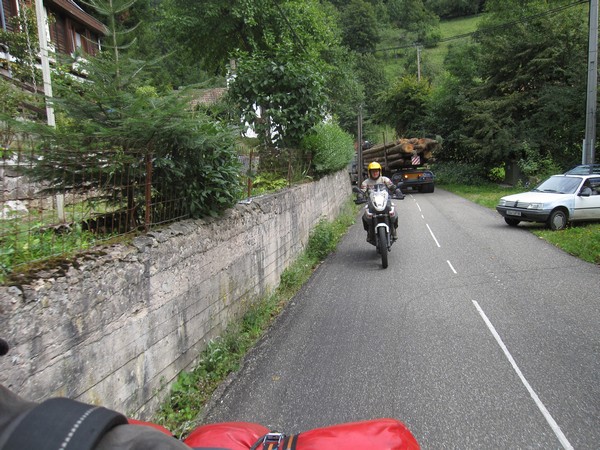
point(382, 246)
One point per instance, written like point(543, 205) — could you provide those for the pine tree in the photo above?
point(116, 137)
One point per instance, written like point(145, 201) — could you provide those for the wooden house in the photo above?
point(68, 27)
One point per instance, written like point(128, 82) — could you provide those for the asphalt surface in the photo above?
point(477, 336)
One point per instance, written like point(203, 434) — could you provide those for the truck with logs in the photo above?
point(404, 161)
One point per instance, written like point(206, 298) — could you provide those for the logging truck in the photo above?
point(404, 161)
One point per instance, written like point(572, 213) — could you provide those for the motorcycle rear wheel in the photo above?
point(382, 246)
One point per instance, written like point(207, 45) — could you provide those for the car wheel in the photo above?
point(557, 220)
point(512, 222)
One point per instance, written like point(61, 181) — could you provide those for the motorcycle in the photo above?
point(380, 215)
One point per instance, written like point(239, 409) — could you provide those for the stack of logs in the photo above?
point(401, 153)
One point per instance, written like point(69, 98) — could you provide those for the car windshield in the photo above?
point(559, 184)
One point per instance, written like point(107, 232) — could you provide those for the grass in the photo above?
point(432, 59)
point(580, 240)
point(449, 29)
point(222, 356)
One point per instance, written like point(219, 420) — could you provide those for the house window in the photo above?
point(8, 9)
point(77, 40)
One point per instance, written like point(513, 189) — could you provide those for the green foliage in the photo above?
point(325, 236)
point(359, 26)
point(512, 85)
point(24, 243)
point(459, 173)
point(288, 90)
point(411, 15)
point(532, 88)
point(268, 182)
point(16, 106)
point(403, 106)
point(580, 240)
point(213, 30)
point(497, 174)
point(331, 147)
point(191, 390)
point(534, 165)
point(454, 8)
point(371, 74)
point(344, 85)
point(321, 241)
point(196, 159)
point(115, 117)
point(23, 45)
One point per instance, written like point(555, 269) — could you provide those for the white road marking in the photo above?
point(419, 207)
point(432, 235)
point(557, 431)
point(451, 266)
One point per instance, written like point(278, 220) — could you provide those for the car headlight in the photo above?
point(536, 206)
point(502, 202)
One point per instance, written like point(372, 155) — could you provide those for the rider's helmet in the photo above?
point(374, 166)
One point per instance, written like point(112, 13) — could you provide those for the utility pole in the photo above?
point(359, 155)
point(43, 41)
point(418, 63)
point(589, 142)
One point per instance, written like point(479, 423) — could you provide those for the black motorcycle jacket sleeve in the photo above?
point(14, 410)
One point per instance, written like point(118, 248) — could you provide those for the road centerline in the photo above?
point(433, 235)
point(555, 428)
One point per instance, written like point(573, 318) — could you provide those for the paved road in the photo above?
point(477, 336)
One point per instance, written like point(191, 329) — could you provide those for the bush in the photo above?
point(331, 147)
point(322, 241)
point(459, 173)
point(268, 182)
point(536, 166)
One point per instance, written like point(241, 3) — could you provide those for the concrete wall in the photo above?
point(117, 326)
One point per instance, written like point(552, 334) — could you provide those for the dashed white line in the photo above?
point(451, 266)
point(557, 431)
point(432, 235)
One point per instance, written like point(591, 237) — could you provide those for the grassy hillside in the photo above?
point(450, 29)
point(401, 57)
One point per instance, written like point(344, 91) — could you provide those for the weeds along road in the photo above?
point(477, 336)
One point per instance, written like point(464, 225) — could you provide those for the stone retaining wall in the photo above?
point(117, 327)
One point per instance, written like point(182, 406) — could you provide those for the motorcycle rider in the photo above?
point(375, 177)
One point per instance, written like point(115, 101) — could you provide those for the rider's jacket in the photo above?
point(368, 183)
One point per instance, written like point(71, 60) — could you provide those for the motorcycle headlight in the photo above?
point(379, 204)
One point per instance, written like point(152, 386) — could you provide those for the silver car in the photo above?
point(557, 201)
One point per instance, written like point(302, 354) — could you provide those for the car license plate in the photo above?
point(513, 213)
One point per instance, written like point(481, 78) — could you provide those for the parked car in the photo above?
point(584, 169)
point(557, 201)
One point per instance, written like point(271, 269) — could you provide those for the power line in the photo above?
point(285, 19)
